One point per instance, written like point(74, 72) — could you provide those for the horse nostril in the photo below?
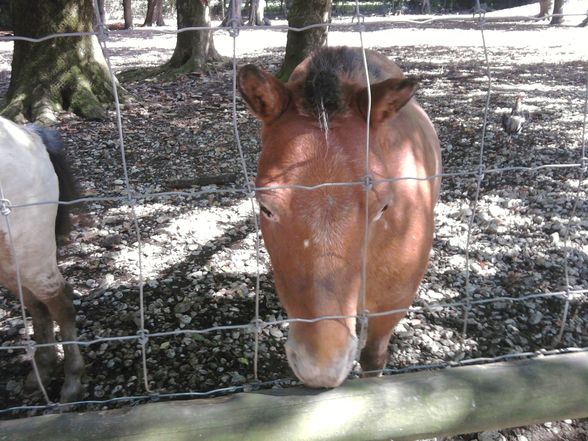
point(267, 213)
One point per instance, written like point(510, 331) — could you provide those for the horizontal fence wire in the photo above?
point(250, 192)
point(132, 198)
point(388, 23)
point(261, 324)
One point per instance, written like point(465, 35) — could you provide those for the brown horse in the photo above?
point(313, 131)
point(33, 169)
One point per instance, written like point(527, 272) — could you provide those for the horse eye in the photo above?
point(384, 208)
point(267, 213)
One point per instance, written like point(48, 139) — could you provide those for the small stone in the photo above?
point(13, 386)
point(491, 436)
point(276, 333)
point(112, 241)
point(182, 307)
point(185, 319)
point(536, 317)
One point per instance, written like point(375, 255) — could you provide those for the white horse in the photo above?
point(33, 168)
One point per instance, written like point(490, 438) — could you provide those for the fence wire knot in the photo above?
point(233, 27)
point(143, 337)
point(102, 31)
point(250, 190)
point(256, 325)
point(31, 348)
point(5, 207)
point(368, 182)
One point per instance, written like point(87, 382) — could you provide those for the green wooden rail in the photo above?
point(400, 407)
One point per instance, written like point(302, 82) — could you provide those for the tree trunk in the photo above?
point(425, 7)
point(557, 9)
point(101, 11)
point(128, 13)
point(300, 44)
point(154, 13)
point(193, 48)
point(5, 14)
point(544, 8)
point(257, 13)
point(233, 13)
point(476, 8)
point(60, 73)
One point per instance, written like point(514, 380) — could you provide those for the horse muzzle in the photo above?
point(324, 366)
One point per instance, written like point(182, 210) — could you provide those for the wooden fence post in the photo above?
point(400, 407)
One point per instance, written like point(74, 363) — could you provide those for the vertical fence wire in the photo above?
point(250, 192)
point(30, 344)
point(479, 179)
point(367, 183)
point(566, 242)
point(131, 200)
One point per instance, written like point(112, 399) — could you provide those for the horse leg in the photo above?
point(63, 312)
point(375, 353)
point(45, 357)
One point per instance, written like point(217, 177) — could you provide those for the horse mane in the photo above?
point(329, 68)
point(68, 190)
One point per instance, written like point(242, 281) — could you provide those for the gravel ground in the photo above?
point(199, 262)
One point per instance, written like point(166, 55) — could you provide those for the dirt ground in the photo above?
point(199, 263)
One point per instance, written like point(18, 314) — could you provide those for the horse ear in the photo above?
point(266, 96)
point(388, 97)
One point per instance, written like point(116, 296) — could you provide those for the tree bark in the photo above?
point(60, 73)
point(300, 44)
point(154, 13)
point(101, 11)
point(557, 9)
point(425, 7)
point(128, 13)
point(233, 13)
point(193, 48)
point(257, 13)
point(544, 8)
point(5, 14)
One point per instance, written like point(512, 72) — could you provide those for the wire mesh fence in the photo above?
point(461, 305)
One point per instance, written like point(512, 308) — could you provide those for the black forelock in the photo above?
point(323, 87)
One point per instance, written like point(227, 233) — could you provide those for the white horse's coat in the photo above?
point(26, 177)
point(28, 237)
